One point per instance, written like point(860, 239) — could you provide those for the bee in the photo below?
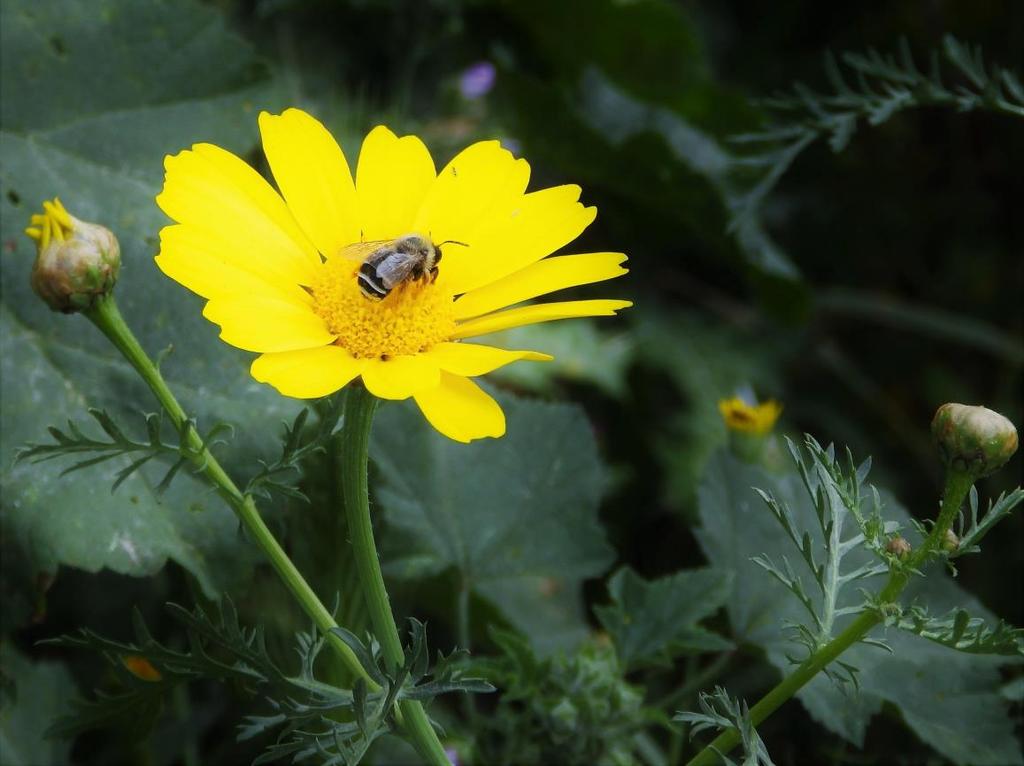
point(388, 263)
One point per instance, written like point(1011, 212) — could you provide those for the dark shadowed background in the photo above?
point(865, 288)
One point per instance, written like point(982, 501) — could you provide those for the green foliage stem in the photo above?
point(881, 86)
point(359, 413)
point(958, 484)
point(106, 316)
point(360, 406)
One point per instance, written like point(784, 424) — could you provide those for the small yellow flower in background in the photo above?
point(747, 418)
point(140, 667)
point(280, 277)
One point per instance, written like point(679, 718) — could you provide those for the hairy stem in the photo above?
point(106, 316)
point(352, 613)
point(958, 484)
point(360, 406)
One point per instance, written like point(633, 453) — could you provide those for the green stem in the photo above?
point(352, 613)
point(106, 316)
point(360, 406)
point(958, 484)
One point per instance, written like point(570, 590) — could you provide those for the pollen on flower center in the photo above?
point(411, 319)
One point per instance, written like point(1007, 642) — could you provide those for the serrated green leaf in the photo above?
point(719, 711)
point(516, 516)
point(93, 101)
point(569, 708)
point(963, 632)
point(948, 698)
point(650, 620)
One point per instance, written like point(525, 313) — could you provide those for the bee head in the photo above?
point(414, 244)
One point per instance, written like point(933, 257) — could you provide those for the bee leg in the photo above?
point(433, 275)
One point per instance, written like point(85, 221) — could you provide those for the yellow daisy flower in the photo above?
point(747, 418)
point(279, 278)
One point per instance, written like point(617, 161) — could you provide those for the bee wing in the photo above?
point(358, 251)
point(395, 268)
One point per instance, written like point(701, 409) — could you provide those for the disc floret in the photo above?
point(410, 320)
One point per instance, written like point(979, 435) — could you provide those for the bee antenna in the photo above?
point(452, 242)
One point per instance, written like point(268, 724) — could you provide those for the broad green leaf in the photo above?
point(583, 353)
point(950, 699)
point(548, 609)
point(651, 620)
point(34, 695)
point(1014, 690)
point(652, 47)
point(95, 95)
point(620, 117)
point(636, 92)
point(515, 516)
point(706, 363)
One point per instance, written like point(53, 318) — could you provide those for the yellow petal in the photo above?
point(313, 175)
point(470, 359)
point(539, 224)
point(541, 312)
point(392, 180)
point(461, 410)
point(483, 181)
point(399, 377)
point(545, 276)
point(218, 194)
point(309, 373)
point(211, 266)
point(262, 324)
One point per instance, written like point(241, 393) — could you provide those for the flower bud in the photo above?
point(898, 547)
point(141, 668)
point(975, 440)
point(76, 263)
point(951, 542)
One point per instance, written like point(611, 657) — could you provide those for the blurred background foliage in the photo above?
point(868, 286)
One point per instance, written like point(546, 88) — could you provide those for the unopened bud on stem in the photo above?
point(898, 547)
point(951, 542)
point(973, 440)
point(77, 262)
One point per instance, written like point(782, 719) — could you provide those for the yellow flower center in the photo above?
point(411, 319)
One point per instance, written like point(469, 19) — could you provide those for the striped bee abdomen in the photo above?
point(370, 284)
